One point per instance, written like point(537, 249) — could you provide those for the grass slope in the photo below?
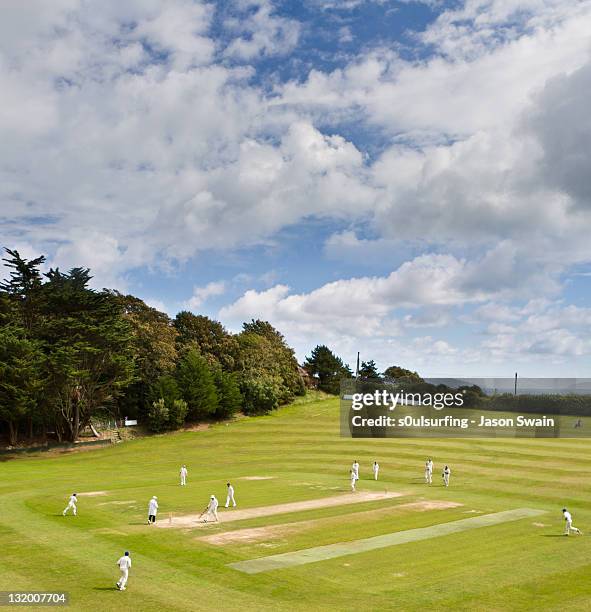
point(512, 566)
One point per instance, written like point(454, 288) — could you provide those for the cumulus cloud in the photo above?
point(261, 32)
point(202, 294)
point(169, 151)
point(134, 135)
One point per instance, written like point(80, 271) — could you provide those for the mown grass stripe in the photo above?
point(331, 551)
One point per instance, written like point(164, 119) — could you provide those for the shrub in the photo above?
point(261, 395)
point(158, 416)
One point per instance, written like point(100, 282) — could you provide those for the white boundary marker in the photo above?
point(331, 551)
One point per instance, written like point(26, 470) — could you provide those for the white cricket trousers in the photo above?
point(569, 527)
point(183, 480)
point(375, 474)
point(446, 480)
point(71, 506)
point(230, 498)
point(428, 476)
point(123, 580)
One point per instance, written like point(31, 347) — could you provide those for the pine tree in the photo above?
point(21, 378)
point(230, 398)
point(24, 286)
point(369, 369)
point(329, 369)
point(196, 385)
point(88, 347)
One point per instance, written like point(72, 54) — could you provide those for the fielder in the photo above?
point(211, 510)
point(230, 496)
point(124, 564)
point(429, 471)
point(445, 475)
point(71, 505)
point(152, 510)
point(569, 523)
point(355, 468)
point(376, 469)
point(353, 479)
point(183, 474)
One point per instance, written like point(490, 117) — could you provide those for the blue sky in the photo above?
point(406, 179)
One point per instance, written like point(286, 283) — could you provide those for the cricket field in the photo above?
point(491, 541)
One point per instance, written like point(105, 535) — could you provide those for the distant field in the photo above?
point(293, 456)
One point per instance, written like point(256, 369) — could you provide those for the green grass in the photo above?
point(511, 566)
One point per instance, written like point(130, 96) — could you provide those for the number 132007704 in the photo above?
point(31, 598)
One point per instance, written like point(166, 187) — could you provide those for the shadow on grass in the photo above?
point(553, 535)
point(105, 588)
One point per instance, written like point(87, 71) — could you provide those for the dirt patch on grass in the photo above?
point(425, 506)
point(125, 502)
point(273, 532)
point(200, 427)
point(256, 478)
point(539, 524)
point(192, 520)
point(92, 493)
point(256, 534)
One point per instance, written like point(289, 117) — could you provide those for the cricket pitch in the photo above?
point(331, 551)
point(231, 515)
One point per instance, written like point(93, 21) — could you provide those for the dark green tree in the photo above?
point(166, 388)
point(154, 351)
point(328, 367)
point(88, 349)
point(21, 378)
point(229, 396)
point(196, 385)
point(158, 417)
point(368, 369)
point(177, 413)
point(24, 286)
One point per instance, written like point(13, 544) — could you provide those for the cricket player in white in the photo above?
point(184, 473)
point(446, 474)
point(71, 505)
point(429, 471)
point(355, 468)
point(230, 496)
point(376, 469)
point(152, 510)
point(124, 564)
point(212, 509)
point(353, 479)
point(569, 523)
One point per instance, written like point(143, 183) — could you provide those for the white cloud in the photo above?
point(364, 307)
point(130, 136)
point(260, 31)
point(202, 294)
point(368, 313)
point(101, 253)
point(159, 141)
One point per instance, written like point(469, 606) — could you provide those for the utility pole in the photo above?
point(515, 383)
point(357, 368)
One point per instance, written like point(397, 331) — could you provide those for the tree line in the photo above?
point(69, 354)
